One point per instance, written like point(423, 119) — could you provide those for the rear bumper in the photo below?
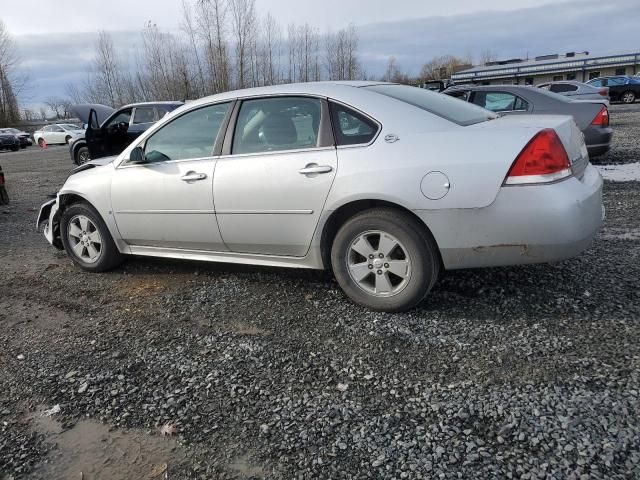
point(525, 224)
point(598, 140)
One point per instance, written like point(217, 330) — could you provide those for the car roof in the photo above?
point(151, 104)
point(325, 88)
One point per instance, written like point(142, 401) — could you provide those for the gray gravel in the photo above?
point(524, 372)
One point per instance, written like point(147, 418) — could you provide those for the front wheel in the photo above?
point(628, 97)
point(82, 156)
point(384, 260)
point(87, 240)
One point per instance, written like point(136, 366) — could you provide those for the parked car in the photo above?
point(24, 137)
point(57, 133)
point(385, 184)
point(4, 196)
point(577, 90)
point(9, 141)
point(110, 131)
point(623, 88)
point(592, 117)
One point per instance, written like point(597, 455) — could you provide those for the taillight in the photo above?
point(602, 118)
point(604, 92)
point(1, 179)
point(543, 160)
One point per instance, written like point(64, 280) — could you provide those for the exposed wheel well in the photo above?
point(345, 212)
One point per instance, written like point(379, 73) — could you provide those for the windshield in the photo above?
point(449, 108)
point(68, 126)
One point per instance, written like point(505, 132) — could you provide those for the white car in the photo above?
point(386, 185)
point(57, 133)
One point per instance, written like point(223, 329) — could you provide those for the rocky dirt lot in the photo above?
point(524, 372)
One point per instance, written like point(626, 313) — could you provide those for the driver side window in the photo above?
point(192, 135)
point(121, 117)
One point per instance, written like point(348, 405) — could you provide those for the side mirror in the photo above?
point(93, 120)
point(137, 156)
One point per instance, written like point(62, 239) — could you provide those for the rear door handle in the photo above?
point(193, 177)
point(313, 168)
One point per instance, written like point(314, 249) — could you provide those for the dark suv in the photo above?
point(622, 88)
point(110, 131)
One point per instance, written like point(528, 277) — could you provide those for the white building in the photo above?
point(570, 66)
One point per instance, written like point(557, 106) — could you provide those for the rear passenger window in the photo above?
point(499, 101)
point(351, 127)
point(277, 124)
point(563, 87)
point(143, 115)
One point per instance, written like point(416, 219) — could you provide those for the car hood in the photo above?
point(82, 111)
point(100, 162)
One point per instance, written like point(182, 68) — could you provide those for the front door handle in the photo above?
point(193, 177)
point(313, 168)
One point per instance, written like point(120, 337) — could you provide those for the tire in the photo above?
point(15, 148)
point(4, 196)
point(82, 156)
point(41, 142)
point(414, 257)
point(107, 257)
point(628, 97)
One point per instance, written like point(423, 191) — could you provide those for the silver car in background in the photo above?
point(577, 90)
point(591, 116)
point(386, 185)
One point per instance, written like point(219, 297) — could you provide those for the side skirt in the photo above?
point(312, 260)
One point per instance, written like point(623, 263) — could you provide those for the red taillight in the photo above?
point(543, 160)
point(602, 118)
point(604, 92)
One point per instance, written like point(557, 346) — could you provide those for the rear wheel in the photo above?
point(82, 155)
point(383, 260)
point(15, 148)
point(87, 240)
point(628, 97)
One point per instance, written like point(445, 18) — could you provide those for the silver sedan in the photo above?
point(386, 185)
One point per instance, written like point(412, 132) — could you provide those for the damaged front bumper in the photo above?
point(48, 220)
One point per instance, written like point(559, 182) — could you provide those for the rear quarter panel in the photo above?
point(474, 160)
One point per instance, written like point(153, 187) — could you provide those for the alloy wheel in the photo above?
point(378, 263)
point(85, 239)
point(628, 97)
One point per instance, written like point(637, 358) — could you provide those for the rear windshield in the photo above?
point(449, 108)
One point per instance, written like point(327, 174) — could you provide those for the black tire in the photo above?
point(15, 148)
point(4, 196)
point(628, 97)
point(109, 257)
point(421, 251)
point(23, 146)
point(82, 156)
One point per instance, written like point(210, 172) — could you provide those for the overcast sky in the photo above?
point(56, 38)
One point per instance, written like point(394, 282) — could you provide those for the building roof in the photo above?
point(533, 67)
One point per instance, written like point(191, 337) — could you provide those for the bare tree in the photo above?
point(243, 18)
point(43, 114)
point(9, 112)
point(107, 70)
point(441, 68)
point(486, 56)
point(271, 50)
point(341, 54)
point(55, 106)
point(211, 18)
point(28, 115)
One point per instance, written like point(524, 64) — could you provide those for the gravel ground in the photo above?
point(523, 372)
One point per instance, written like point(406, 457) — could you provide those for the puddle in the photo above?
point(93, 451)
